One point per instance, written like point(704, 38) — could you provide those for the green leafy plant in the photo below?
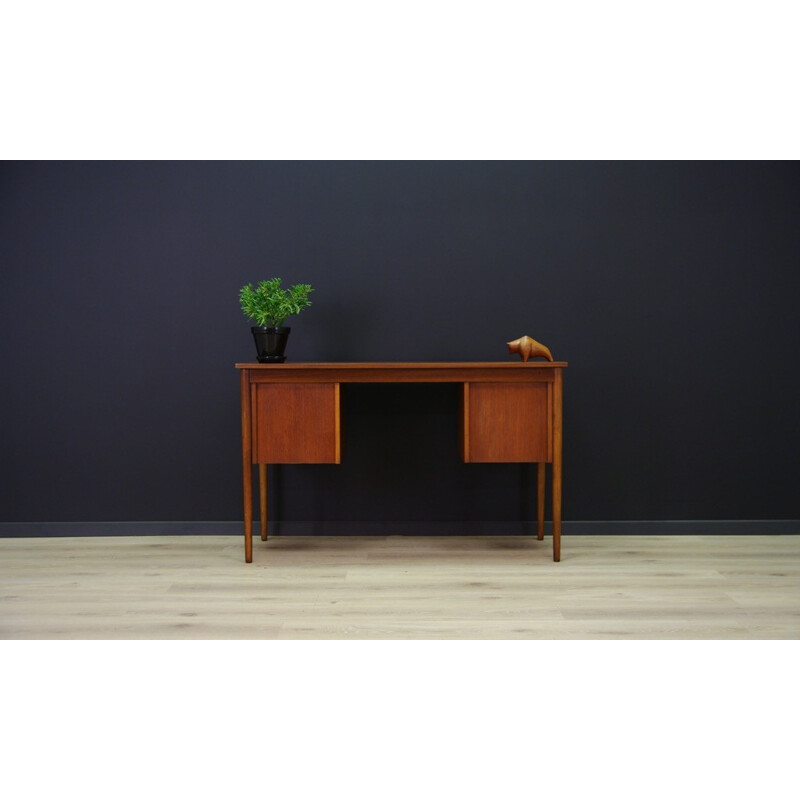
point(268, 305)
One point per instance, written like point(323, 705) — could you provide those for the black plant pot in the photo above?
point(270, 344)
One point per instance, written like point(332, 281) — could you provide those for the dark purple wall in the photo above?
point(671, 288)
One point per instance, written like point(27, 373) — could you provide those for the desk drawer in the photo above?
point(507, 422)
point(295, 423)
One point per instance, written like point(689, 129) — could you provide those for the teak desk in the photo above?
point(509, 412)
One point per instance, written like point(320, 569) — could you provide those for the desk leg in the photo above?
point(540, 500)
point(247, 483)
point(557, 436)
point(247, 468)
point(262, 496)
point(556, 512)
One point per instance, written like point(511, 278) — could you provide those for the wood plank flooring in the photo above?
point(396, 587)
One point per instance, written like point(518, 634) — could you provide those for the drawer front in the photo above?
point(295, 423)
point(507, 422)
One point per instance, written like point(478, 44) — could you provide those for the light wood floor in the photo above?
point(606, 587)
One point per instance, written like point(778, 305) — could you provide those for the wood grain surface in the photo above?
point(295, 423)
point(397, 587)
point(404, 372)
point(507, 423)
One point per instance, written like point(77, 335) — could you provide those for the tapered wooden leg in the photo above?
point(557, 515)
point(248, 516)
point(557, 437)
point(540, 500)
point(247, 468)
point(262, 496)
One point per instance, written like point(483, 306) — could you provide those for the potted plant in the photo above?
point(268, 306)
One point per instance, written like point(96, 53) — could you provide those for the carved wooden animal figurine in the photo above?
point(528, 347)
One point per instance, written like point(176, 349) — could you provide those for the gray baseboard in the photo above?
point(647, 527)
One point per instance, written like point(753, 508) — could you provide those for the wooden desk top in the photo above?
point(403, 372)
point(404, 365)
